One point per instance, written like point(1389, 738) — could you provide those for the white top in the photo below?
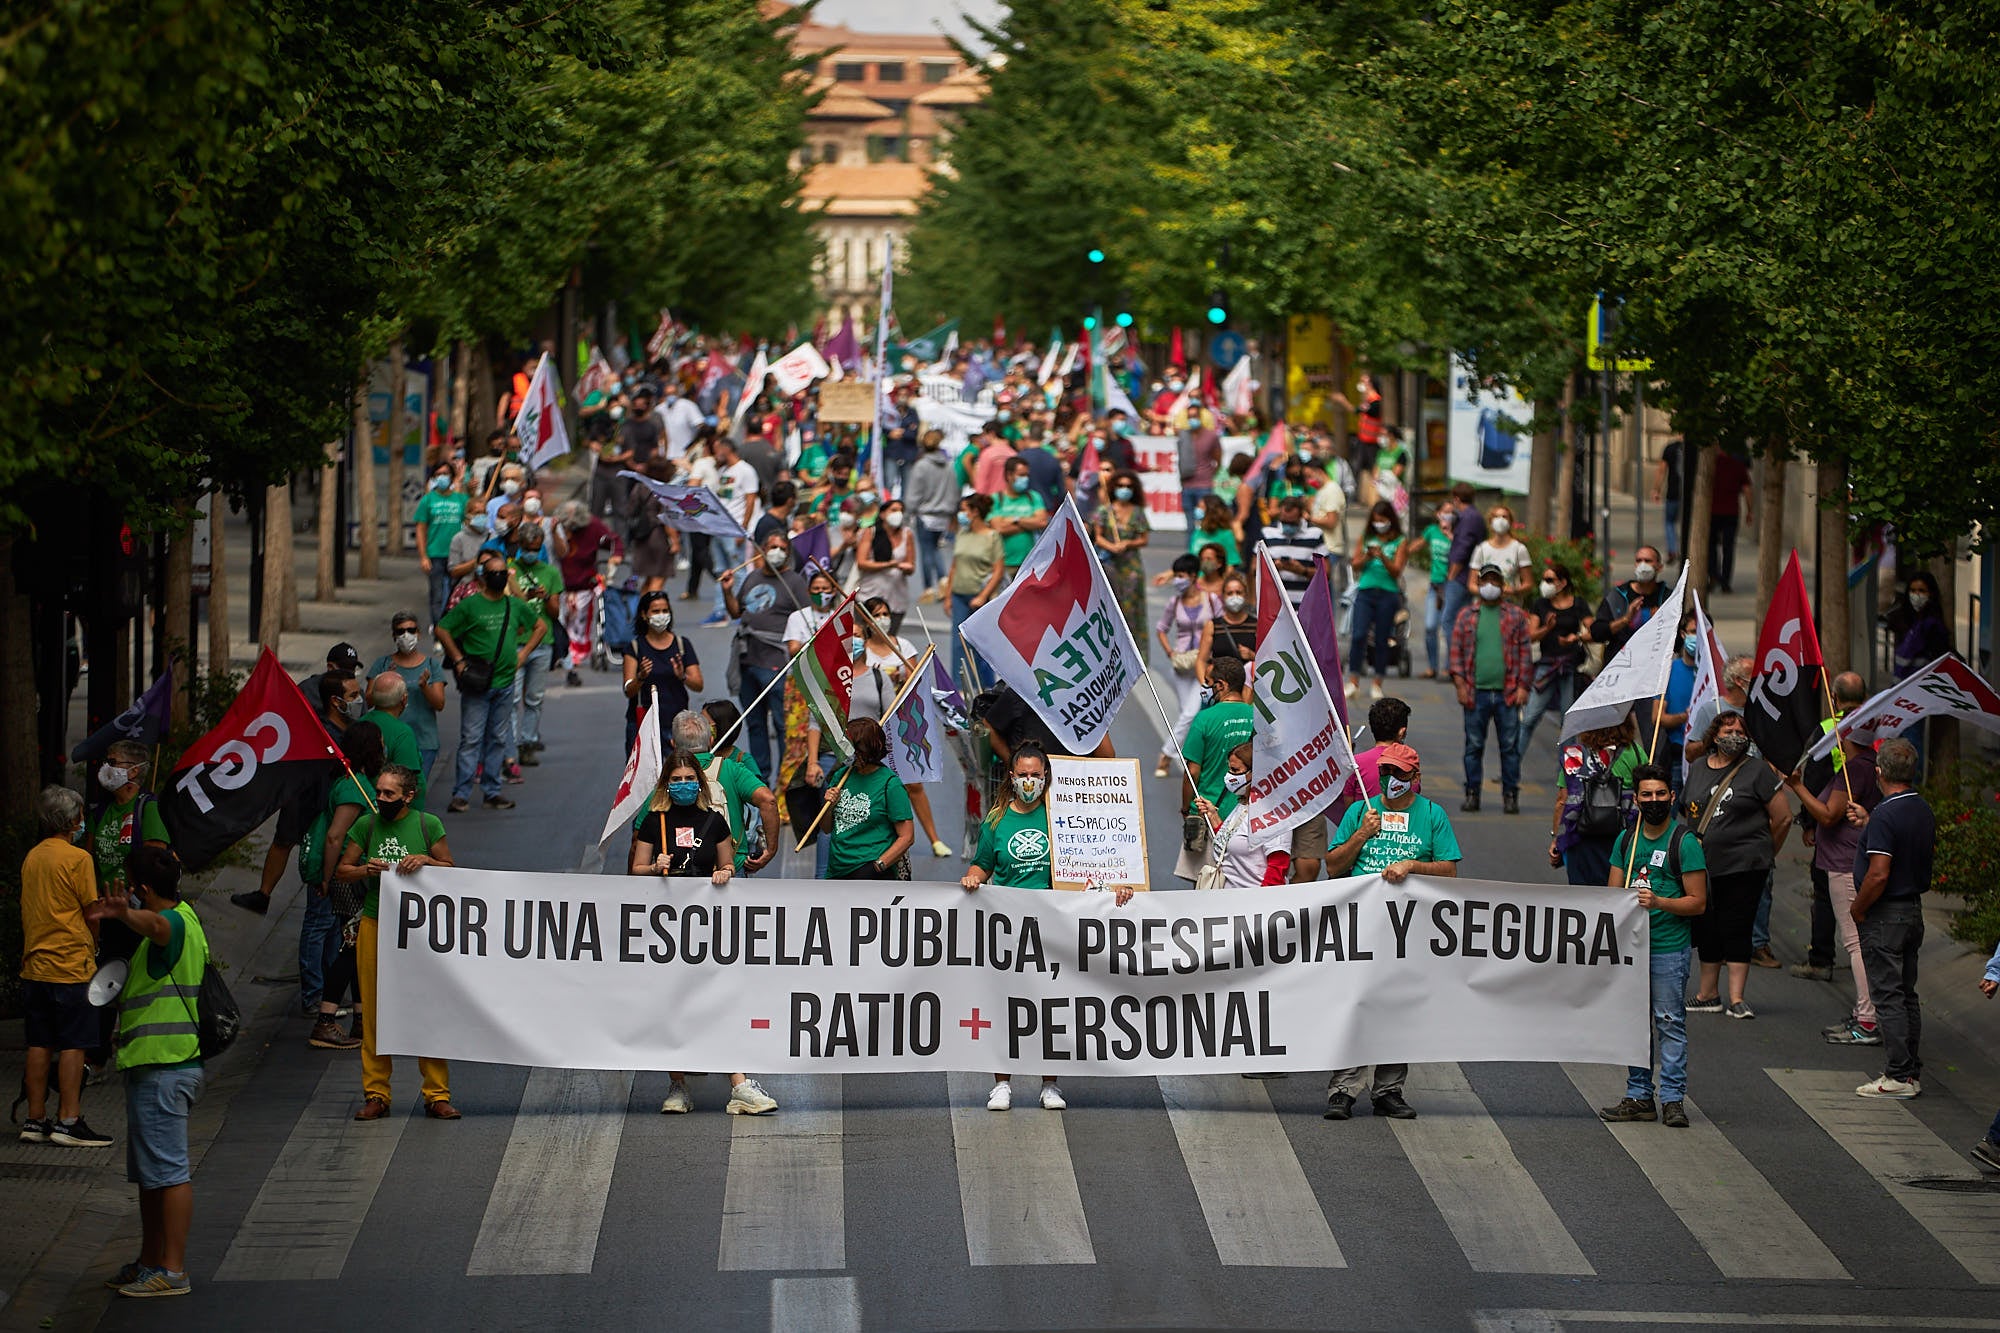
point(874, 690)
point(1512, 559)
point(803, 623)
point(737, 489)
point(1241, 854)
point(679, 418)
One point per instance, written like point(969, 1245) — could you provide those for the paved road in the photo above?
point(896, 1202)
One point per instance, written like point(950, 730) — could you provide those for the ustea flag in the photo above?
point(539, 423)
point(1299, 759)
point(1783, 714)
point(1055, 634)
point(268, 748)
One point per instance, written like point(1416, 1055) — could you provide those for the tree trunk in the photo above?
point(399, 426)
point(367, 516)
point(1542, 479)
point(288, 619)
point(218, 583)
point(480, 402)
point(1831, 566)
point(1943, 749)
point(1699, 500)
point(324, 589)
point(1771, 545)
point(277, 554)
point(1564, 461)
point(179, 601)
point(20, 749)
point(461, 384)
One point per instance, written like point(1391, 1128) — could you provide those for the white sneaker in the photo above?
point(1883, 1086)
point(1375, 690)
point(678, 1102)
point(1352, 687)
point(1052, 1098)
point(746, 1098)
point(1001, 1098)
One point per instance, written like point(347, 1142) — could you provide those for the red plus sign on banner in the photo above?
point(976, 1023)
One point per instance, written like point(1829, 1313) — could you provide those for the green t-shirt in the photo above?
point(418, 715)
point(1375, 574)
point(1653, 868)
point(865, 815)
point(1215, 731)
point(441, 513)
point(312, 848)
point(112, 840)
point(475, 624)
point(739, 783)
point(1014, 849)
point(412, 835)
point(1439, 546)
point(1226, 539)
point(547, 577)
point(399, 742)
point(1489, 654)
point(1014, 546)
point(1422, 834)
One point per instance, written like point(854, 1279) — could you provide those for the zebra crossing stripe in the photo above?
point(547, 1202)
point(1016, 1182)
point(1260, 1209)
point(784, 1204)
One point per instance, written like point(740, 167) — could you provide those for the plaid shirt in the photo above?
point(1513, 646)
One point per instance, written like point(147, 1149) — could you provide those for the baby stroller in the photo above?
point(617, 618)
point(1399, 636)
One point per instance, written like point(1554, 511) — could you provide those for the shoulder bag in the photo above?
point(475, 674)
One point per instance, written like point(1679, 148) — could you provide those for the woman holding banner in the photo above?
point(872, 821)
point(678, 834)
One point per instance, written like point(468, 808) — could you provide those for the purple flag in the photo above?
point(844, 347)
point(945, 692)
point(1319, 618)
point(813, 547)
point(145, 720)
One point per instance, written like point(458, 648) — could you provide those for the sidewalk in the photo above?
point(67, 1205)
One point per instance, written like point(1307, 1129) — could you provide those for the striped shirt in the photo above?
point(1308, 542)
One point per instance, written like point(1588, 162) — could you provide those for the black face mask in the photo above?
point(390, 808)
point(495, 579)
point(1657, 812)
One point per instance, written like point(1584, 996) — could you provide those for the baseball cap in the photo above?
point(1399, 756)
point(343, 656)
point(1494, 571)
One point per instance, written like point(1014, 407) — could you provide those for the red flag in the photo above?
point(268, 748)
point(1175, 356)
point(1784, 710)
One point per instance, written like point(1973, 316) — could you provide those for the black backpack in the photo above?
point(217, 1017)
point(1601, 814)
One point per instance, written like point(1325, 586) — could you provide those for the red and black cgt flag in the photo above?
point(1784, 710)
point(268, 747)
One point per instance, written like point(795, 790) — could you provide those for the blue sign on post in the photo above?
point(1226, 348)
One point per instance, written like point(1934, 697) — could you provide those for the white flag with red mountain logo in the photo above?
point(539, 423)
point(641, 776)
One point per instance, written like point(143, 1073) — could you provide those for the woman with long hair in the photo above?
point(1121, 532)
point(1378, 558)
point(661, 668)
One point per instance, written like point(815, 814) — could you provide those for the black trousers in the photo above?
point(1722, 550)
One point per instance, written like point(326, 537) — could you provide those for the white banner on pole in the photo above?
point(798, 368)
point(780, 976)
point(539, 424)
point(1945, 688)
point(1097, 822)
point(1639, 671)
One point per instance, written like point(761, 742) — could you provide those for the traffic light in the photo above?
point(1096, 256)
point(1124, 319)
point(1089, 323)
point(1218, 313)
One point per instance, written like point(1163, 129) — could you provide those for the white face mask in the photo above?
point(510, 487)
point(1919, 600)
point(1549, 587)
point(777, 557)
point(893, 520)
point(531, 507)
point(1030, 789)
point(1395, 789)
point(1501, 524)
point(1644, 572)
point(112, 778)
point(1236, 782)
point(406, 642)
point(1489, 592)
point(1380, 525)
point(660, 622)
point(1234, 602)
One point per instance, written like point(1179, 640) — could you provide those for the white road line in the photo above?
point(1015, 1179)
point(547, 1201)
point(1732, 1212)
point(1894, 1146)
point(1555, 1321)
point(312, 1204)
point(1495, 1210)
point(1261, 1212)
point(785, 1203)
point(815, 1305)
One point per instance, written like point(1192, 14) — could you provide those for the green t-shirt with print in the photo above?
point(442, 513)
point(1014, 546)
point(111, 835)
point(1014, 849)
point(412, 835)
point(1420, 833)
point(865, 815)
point(1439, 546)
point(541, 574)
point(475, 625)
point(1215, 731)
point(1653, 868)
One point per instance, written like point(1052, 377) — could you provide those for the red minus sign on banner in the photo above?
point(759, 1023)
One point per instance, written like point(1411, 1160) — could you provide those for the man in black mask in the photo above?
point(492, 634)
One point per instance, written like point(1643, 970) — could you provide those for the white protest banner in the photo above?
point(1708, 663)
point(539, 424)
point(1639, 671)
point(850, 977)
point(1056, 635)
point(642, 772)
point(1945, 688)
point(760, 369)
point(798, 368)
point(1097, 822)
point(690, 508)
point(1300, 758)
point(1157, 460)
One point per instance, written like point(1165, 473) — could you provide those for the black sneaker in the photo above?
point(1709, 1004)
point(1471, 802)
point(1510, 802)
point(252, 900)
point(459, 805)
point(529, 757)
point(1674, 1115)
point(498, 803)
point(572, 679)
point(76, 1134)
point(1630, 1109)
point(35, 1131)
point(1339, 1106)
point(1985, 1152)
point(1392, 1106)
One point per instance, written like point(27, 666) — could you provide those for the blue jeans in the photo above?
point(1191, 498)
point(766, 720)
point(1672, 513)
point(319, 945)
point(725, 553)
point(933, 555)
point(425, 758)
point(1670, 1042)
point(1374, 610)
point(485, 725)
point(1455, 599)
point(440, 581)
point(533, 684)
point(157, 1101)
point(1760, 925)
point(1434, 621)
point(1557, 698)
point(1492, 706)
